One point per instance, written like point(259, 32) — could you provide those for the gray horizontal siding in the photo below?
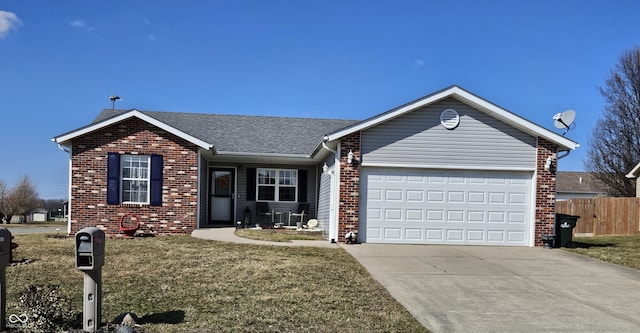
point(324, 204)
point(242, 202)
point(417, 138)
point(324, 199)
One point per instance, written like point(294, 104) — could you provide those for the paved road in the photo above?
point(504, 289)
point(36, 230)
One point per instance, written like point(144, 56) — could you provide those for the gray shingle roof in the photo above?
point(578, 182)
point(247, 134)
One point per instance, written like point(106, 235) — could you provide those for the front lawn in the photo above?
point(185, 284)
point(279, 235)
point(621, 250)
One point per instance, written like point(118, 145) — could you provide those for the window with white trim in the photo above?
point(277, 185)
point(135, 179)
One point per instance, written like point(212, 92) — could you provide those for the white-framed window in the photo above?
point(277, 185)
point(135, 179)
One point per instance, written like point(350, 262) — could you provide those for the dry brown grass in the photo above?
point(621, 250)
point(183, 284)
point(279, 235)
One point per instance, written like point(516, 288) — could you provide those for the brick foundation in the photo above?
point(133, 136)
point(545, 191)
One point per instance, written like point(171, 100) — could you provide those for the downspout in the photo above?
point(565, 155)
point(324, 145)
point(555, 206)
point(68, 212)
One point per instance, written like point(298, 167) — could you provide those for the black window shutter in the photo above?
point(156, 180)
point(302, 185)
point(251, 184)
point(113, 178)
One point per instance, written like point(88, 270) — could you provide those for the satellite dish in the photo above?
point(565, 120)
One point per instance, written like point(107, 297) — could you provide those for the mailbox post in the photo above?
point(90, 259)
point(5, 260)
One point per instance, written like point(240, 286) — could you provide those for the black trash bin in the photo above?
point(564, 229)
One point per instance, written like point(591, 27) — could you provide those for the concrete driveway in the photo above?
point(505, 289)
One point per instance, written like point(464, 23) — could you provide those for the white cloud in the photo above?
point(78, 24)
point(418, 63)
point(81, 24)
point(8, 21)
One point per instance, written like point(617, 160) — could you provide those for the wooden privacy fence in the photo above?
point(603, 216)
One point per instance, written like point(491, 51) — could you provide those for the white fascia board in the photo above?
point(448, 167)
point(133, 113)
point(467, 98)
point(634, 172)
point(388, 115)
point(514, 120)
point(244, 154)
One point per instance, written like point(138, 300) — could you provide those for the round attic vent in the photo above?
point(449, 119)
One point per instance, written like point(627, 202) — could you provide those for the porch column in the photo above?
point(349, 196)
point(545, 191)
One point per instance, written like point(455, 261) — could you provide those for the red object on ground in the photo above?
point(129, 231)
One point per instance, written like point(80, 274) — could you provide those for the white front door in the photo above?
point(421, 206)
point(221, 196)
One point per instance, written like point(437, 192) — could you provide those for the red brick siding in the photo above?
point(545, 191)
point(349, 209)
point(134, 136)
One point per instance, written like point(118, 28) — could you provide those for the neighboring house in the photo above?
point(40, 215)
point(572, 185)
point(635, 173)
point(448, 168)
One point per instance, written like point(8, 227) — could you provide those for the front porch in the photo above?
point(257, 194)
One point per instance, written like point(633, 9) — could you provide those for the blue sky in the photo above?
point(60, 62)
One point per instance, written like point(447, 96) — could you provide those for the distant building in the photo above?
point(572, 184)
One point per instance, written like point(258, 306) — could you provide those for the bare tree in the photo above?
point(23, 198)
point(3, 196)
point(614, 146)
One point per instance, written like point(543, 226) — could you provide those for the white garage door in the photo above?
point(446, 207)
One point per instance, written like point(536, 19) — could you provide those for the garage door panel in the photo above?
point(393, 214)
point(446, 207)
point(495, 235)
point(392, 234)
point(413, 234)
point(434, 235)
point(415, 215)
point(414, 196)
point(474, 216)
point(476, 235)
point(435, 196)
point(435, 216)
point(455, 196)
point(515, 236)
point(496, 217)
point(497, 197)
point(455, 234)
point(455, 216)
point(477, 198)
point(393, 195)
point(517, 218)
point(374, 194)
point(517, 198)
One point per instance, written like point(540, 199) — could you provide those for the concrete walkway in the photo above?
point(228, 235)
point(505, 289)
